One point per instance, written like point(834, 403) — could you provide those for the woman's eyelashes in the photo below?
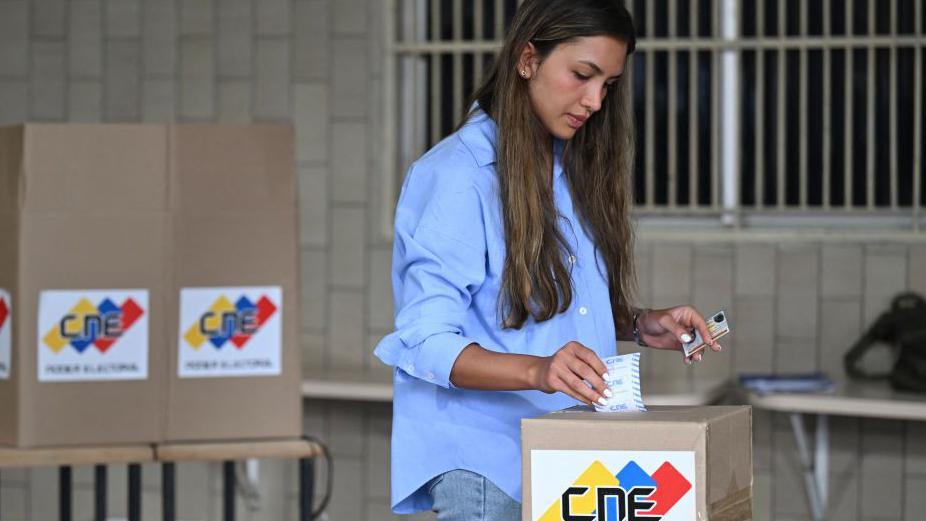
point(585, 77)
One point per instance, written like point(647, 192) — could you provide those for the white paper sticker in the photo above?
point(93, 335)
point(601, 485)
point(6, 334)
point(232, 331)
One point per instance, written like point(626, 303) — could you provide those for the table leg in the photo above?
point(817, 507)
point(306, 487)
point(99, 492)
point(64, 493)
point(821, 464)
point(228, 490)
point(168, 491)
point(134, 492)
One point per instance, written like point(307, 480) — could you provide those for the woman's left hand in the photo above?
point(668, 328)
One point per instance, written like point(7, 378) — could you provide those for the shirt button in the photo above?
point(583, 310)
point(430, 376)
point(572, 259)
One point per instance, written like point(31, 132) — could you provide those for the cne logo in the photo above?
point(86, 324)
point(630, 495)
point(226, 322)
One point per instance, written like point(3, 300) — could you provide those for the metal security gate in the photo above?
point(768, 112)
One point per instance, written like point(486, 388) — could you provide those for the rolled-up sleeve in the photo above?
point(439, 262)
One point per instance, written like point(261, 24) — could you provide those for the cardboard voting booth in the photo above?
point(236, 370)
point(670, 463)
point(106, 230)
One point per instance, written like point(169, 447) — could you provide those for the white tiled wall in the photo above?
point(794, 305)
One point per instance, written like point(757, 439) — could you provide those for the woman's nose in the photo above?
point(592, 99)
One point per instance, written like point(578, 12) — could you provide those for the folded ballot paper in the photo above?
point(623, 379)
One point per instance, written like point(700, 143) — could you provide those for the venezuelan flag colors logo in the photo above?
point(227, 322)
point(230, 331)
point(663, 492)
point(92, 335)
point(98, 325)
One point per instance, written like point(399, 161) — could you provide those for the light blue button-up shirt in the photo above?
point(448, 258)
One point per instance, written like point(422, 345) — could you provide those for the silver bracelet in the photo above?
point(636, 330)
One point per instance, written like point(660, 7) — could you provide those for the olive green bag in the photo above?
point(903, 327)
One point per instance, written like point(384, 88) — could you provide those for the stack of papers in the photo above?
point(787, 383)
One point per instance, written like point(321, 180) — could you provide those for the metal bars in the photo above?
point(649, 123)
point(847, 94)
point(99, 492)
point(917, 124)
point(780, 109)
point(64, 493)
point(815, 142)
point(869, 115)
point(826, 164)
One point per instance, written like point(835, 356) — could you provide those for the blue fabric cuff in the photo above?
point(431, 360)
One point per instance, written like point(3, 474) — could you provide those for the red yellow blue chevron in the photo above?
point(225, 321)
point(87, 324)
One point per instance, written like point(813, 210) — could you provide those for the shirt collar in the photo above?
point(558, 146)
point(480, 133)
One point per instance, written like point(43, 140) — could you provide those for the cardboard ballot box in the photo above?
point(100, 237)
point(670, 463)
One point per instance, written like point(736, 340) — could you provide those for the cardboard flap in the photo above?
point(656, 413)
point(550, 433)
point(232, 168)
point(737, 506)
point(95, 168)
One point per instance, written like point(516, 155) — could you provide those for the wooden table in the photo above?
point(167, 454)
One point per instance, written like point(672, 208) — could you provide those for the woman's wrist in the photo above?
point(533, 371)
point(635, 325)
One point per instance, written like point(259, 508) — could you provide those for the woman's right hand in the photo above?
point(568, 369)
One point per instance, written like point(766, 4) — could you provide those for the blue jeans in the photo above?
point(461, 495)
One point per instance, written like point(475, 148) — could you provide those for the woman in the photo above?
point(512, 268)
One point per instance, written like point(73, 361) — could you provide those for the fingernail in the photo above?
point(605, 376)
point(686, 337)
point(608, 393)
point(687, 361)
point(602, 401)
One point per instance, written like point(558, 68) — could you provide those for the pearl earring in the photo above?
point(523, 73)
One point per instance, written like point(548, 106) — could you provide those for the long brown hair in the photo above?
point(597, 161)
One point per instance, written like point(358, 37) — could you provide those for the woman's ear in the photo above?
point(528, 61)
